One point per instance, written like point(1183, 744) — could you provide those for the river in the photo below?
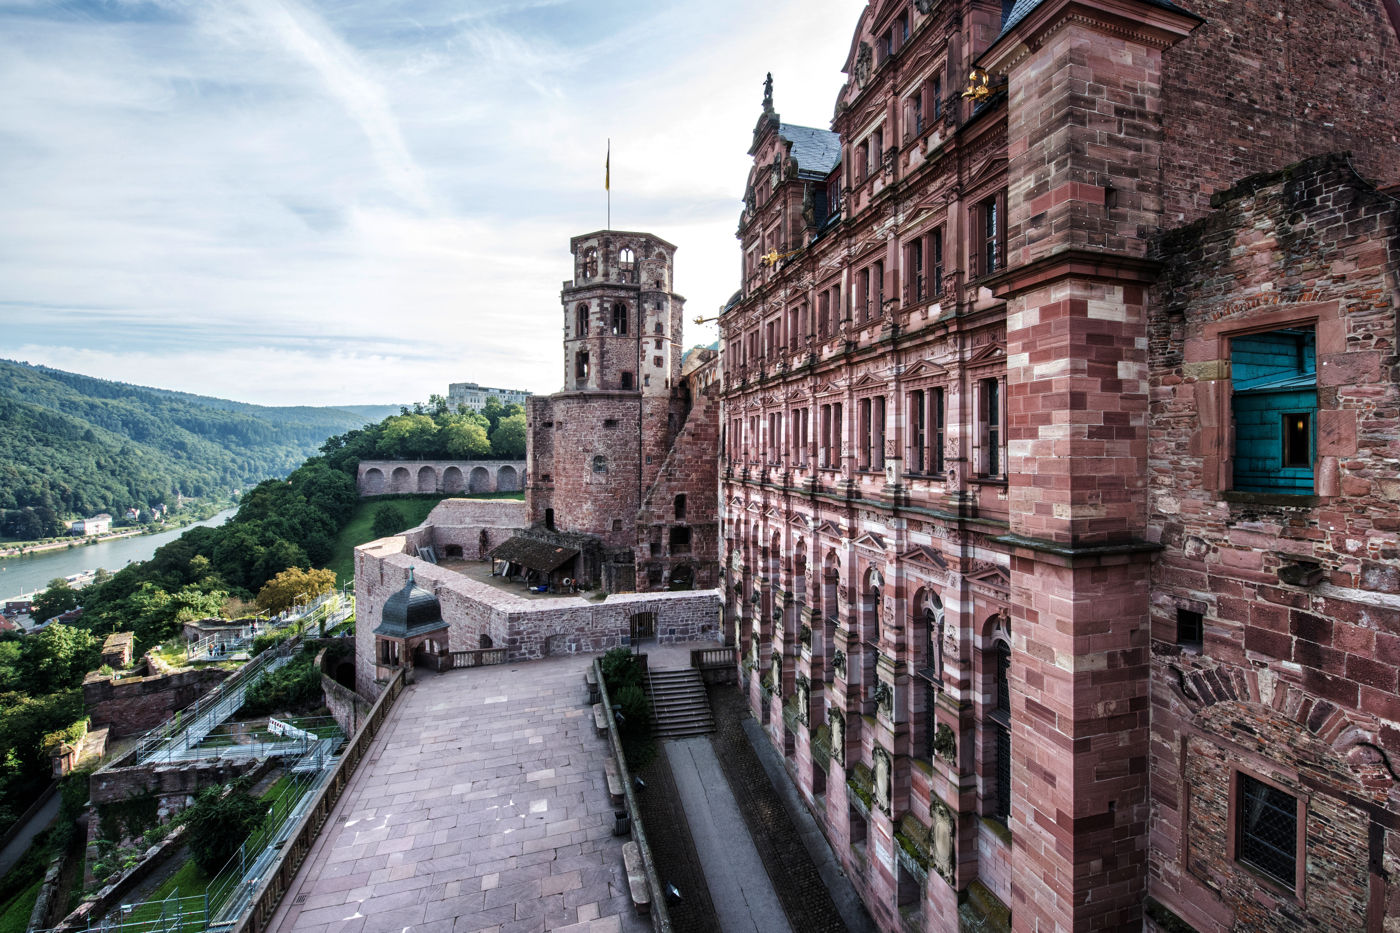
point(24, 575)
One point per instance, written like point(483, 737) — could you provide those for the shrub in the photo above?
point(294, 686)
point(632, 702)
point(620, 669)
point(219, 823)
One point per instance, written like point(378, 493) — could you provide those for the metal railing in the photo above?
point(276, 876)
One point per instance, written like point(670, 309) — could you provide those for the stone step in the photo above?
point(679, 703)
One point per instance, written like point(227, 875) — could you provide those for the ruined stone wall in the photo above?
point(391, 477)
point(132, 705)
point(527, 628)
point(690, 469)
point(1260, 85)
point(1296, 676)
point(594, 477)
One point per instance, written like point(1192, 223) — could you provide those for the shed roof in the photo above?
point(534, 554)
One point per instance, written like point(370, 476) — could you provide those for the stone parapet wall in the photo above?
point(527, 628)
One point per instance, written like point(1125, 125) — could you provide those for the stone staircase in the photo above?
point(679, 703)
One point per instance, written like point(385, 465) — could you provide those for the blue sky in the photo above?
point(292, 202)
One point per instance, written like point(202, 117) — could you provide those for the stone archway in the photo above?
point(452, 480)
point(374, 481)
point(401, 480)
point(480, 480)
point(427, 479)
point(507, 480)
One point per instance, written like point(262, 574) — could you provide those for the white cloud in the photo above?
point(290, 202)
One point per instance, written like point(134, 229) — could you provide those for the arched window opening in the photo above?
point(626, 263)
point(581, 321)
point(600, 464)
point(999, 726)
point(619, 320)
point(590, 262)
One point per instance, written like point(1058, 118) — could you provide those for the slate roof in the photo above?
point(817, 151)
point(1024, 8)
point(534, 554)
point(410, 612)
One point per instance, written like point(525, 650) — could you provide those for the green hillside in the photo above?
point(76, 445)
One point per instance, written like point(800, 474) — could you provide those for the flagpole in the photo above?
point(607, 181)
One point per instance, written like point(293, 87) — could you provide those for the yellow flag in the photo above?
point(607, 169)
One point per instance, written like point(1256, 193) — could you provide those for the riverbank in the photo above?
point(175, 523)
point(59, 545)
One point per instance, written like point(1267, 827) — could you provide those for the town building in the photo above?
point(99, 524)
point(1060, 490)
point(475, 397)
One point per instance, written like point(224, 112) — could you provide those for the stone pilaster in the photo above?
point(1084, 131)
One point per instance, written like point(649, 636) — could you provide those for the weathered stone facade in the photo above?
point(609, 454)
point(131, 703)
point(387, 477)
point(479, 615)
point(978, 452)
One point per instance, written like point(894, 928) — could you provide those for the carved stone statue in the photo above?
point(768, 93)
point(883, 770)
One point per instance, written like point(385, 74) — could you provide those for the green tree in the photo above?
point(218, 823)
point(412, 435)
point(492, 411)
point(154, 614)
point(293, 587)
point(56, 600)
point(466, 438)
point(56, 658)
point(387, 521)
point(508, 440)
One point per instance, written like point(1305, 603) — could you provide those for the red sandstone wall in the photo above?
point(135, 704)
point(1296, 683)
point(1265, 82)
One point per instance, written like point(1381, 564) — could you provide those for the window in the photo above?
point(863, 294)
point(626, 263)
point(657, 343)
point(656, 361)
point(1274, 382)
point(935, 261)
point(872, 426)
point(581, 366)
point(680, 507)
point(989, 417)
point(627, 380)
point(549, 519)
point(657, 328)
point(1190, 628)
point(1266, 829)
point(619, 320)
point(581, 321)
point(829, 454)
point(862, 161)
point(590, 262)
point(936, 431)
point(877, 148)
point(914, 262)
point(1000, 724)
point(680, 540)
point(935, 89)
point(917, 437)
point(600, 464)
point(877, 276)
point(990, 235)
point(915, 125)
point(823, 311)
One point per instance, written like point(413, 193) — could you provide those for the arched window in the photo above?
point(619, 320)
point(581, 321)
point(600, 464)
point(996, 736)
point(626, 260)
point(590, 262)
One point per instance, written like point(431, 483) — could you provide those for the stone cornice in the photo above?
point(1129, 19)
point(1072, 263)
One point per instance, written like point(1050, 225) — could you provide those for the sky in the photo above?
point(291, 202)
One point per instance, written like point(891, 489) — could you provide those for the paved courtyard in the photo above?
point(482, 807)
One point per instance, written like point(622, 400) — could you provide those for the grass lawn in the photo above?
point(413, 508)
point(14, 916)
point(190, 881)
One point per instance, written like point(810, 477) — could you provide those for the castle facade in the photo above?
point(1060, 485)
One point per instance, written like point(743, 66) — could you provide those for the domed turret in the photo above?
point(411, 611)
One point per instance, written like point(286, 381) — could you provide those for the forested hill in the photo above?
point(78, 445)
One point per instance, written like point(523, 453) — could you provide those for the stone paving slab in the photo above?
point(482, 806)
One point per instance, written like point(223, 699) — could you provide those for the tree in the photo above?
point(219, 823)
point(466, 438)
point(56, 600)
point(387, 521)
point(294, 586)
point(56, 658)
point(508, 440)
point(492, 411)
